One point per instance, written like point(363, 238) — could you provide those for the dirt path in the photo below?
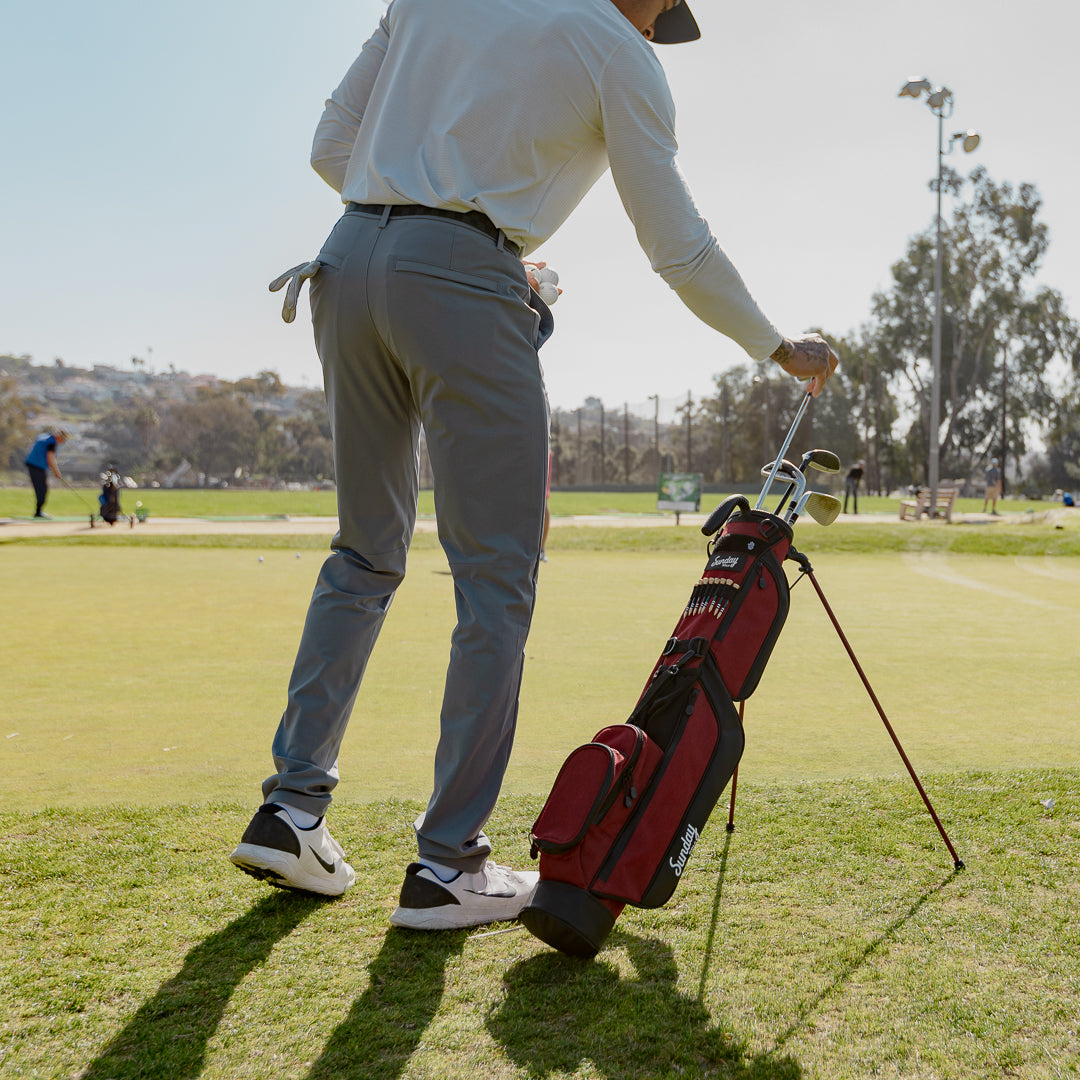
point(11, 528)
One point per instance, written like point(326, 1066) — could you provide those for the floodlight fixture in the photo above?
point(940, 98)
point(969, 140)
point(915, 85)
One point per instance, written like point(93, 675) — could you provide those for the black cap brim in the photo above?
point(675, 26)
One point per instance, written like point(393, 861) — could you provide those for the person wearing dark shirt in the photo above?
point(851, 484)
point(40, 462)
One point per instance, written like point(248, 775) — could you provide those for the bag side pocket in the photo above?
point(581, 789)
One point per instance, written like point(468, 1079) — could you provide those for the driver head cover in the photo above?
point(675, 25)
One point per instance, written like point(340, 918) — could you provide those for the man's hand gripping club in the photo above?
point(807, 357)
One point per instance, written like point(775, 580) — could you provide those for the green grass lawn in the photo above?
point(827, 937)
point(144, 676)
point(18, 502)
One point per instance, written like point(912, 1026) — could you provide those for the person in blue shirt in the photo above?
point(40, 462)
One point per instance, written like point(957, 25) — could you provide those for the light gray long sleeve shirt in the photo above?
point(516, 108)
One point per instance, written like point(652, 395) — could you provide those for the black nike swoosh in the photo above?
point(327, 866)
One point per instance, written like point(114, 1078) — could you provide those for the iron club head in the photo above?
point(823, 508)
point(787, 473)
point(823, 461)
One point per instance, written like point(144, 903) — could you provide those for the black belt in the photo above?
point(473, 218)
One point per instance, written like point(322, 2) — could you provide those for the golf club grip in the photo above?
point(716, 519)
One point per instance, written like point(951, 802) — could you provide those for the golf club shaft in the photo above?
point(957, 861)
point(783, 450)
point(78, 495)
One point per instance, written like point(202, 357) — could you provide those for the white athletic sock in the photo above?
point(300, 818)
point(443, 873)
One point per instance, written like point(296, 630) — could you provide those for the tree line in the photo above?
point(224, 430)
point(1010, 375)
point(1010, 382)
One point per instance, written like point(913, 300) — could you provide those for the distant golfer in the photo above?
point(40, 462)
point(993, 487)
point(461, 138)
point(851, 484)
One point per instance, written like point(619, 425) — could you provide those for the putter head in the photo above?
point(823, 508)
point(822, 460)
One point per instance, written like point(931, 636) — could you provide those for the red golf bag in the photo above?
point(627, 808)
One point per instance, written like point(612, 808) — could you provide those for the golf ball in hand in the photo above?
point(547, 274)
point(548, 292)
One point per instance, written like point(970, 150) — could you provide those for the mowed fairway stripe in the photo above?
point(149, 676)
point(1050, 567)
point(944, 568)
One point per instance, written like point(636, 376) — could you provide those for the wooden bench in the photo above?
point(913, 509)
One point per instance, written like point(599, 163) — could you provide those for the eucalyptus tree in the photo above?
point(1000, 330)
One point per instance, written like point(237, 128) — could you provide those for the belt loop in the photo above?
point(385, 216)
point(501, 241)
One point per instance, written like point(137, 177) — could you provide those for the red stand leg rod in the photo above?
point(957, 861)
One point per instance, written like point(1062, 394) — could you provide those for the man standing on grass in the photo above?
point(40, 462)
point(461, 138)
point(993, 487)
point(851, 484)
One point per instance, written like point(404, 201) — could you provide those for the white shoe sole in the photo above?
point(283, 870)
point(460, 916)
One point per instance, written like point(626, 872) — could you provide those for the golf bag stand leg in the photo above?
point(808, 570)
point(735, 779)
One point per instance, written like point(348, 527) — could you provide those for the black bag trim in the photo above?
point(625, 781)
point(728, 752)
point(706, 679)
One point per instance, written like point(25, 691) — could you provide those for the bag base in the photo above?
point(569, 918)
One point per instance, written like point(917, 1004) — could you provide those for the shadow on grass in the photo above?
point(559, 1012)
point(711, 939)
point(387, 1022)
point(863, 956)
point(167, 1037)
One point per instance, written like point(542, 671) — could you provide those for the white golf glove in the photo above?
point(296, 278)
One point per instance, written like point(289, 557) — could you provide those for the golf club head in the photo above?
point(822, 460)
point(786, 473)
point(823, 508)
point(785, 467)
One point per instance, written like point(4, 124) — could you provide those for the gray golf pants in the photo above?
point(424, 321)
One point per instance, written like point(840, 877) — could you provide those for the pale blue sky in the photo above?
point(155, 176)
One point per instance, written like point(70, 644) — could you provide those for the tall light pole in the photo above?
point(940, 103)
point(764, 381)
point(655, 399)
point(689, 446)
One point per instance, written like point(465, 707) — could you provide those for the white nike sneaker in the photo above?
point(280, 853)
point(493, 894)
